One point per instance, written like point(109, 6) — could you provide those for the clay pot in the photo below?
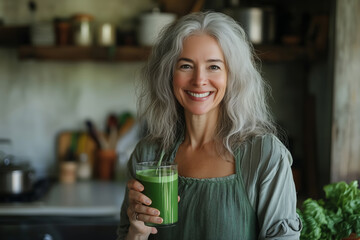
point(181, 8)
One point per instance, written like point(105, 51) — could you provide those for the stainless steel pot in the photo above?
point(15, 177)
point(258, 22)
point(151, 24)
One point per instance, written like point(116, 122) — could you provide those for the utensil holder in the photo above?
point(106, 164)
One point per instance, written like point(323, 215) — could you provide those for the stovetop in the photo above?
point(40, 188)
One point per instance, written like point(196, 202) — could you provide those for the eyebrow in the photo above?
point(209, 60)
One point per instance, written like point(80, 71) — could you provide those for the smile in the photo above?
point(198, 95)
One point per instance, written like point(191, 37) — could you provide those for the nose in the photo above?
point(199, 77)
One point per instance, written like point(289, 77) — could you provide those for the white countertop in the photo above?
point(93, 198)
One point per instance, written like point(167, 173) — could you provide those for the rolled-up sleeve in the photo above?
point(276, 203)
point(142, 152)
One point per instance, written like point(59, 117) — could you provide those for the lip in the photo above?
point(195, 98)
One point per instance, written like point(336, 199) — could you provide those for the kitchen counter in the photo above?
point(81, 199)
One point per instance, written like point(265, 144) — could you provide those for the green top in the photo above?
point(257, 202)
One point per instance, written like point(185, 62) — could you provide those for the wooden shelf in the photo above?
point(281, 53)
point(266, 53)
point(74, 53)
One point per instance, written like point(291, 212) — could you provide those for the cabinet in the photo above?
point(56, 228)
point(83, 210)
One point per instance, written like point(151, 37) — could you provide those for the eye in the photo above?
point(214, 67)
point(185, 66)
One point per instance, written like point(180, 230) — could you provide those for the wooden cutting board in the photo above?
point(84, 144)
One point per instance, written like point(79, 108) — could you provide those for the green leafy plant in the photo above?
point(335, 217)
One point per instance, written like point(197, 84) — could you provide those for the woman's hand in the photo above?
point(140, 212)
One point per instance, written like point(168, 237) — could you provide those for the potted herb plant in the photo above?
point(334, 218)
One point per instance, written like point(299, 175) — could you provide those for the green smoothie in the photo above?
point(161, 186)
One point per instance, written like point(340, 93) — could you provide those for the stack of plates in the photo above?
point(43, 34)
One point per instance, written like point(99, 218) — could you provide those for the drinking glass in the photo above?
point(161, 186)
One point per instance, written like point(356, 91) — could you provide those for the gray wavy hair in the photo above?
point(243, 111)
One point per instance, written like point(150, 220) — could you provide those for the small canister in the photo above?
point(62, 31)
point(106, 35)
point(84, 169)
point(68, 171)
point(83, 29)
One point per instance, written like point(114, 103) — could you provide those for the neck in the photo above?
point(200, 129)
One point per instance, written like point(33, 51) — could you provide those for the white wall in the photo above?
point(40, 99)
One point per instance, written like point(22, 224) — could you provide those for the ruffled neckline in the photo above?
point(214, 179)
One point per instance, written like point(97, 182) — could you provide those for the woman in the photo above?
point(204, 103)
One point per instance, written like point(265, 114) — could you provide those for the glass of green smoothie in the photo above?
point(161, 186)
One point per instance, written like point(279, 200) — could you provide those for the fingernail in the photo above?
point(159, 220)
point(156, 212)
point(147, 201)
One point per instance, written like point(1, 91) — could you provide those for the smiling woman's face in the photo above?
point(200, 75)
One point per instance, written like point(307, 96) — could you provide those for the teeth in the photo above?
point(199, 95)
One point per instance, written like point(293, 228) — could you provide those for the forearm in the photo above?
point(277, 204)
point(134, 236)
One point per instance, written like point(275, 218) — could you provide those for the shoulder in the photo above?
point(265, 149)
point(260, 157)
point(145, 150)
point(267, 142)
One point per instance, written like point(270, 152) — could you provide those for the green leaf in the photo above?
point(336, 216)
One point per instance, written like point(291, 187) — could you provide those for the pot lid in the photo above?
point(9, 163)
